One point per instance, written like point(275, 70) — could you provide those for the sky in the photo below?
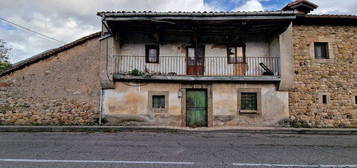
point(67, 20)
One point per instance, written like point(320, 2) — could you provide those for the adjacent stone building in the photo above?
point(57, 87)
point(194, 69)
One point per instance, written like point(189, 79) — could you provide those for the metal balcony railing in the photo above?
point(213, 66)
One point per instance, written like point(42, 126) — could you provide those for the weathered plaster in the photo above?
point(274, 105)
point(286, 59)
point(173, 58)
point(130, 99)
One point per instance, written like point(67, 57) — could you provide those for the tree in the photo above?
point(4, 56)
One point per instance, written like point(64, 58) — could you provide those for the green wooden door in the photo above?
point(196, 108)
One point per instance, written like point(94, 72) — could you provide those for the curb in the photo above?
point(264, 130)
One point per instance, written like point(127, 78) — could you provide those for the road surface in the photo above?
point(174, 150)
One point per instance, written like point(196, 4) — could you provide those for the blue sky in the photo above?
point(228, 5)
point(6, 26)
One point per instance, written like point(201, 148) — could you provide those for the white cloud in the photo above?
point(69, 20)
point(336, 7)
point(251, 5)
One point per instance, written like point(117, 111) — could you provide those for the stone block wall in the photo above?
point(335, 77)
point(63, 89)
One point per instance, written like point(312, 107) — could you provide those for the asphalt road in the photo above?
point(174, 150)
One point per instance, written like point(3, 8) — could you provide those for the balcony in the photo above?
point(215, 66)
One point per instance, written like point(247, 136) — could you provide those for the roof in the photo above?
point(192, 14)
point(303, 6)
point(300, 1)
point(49, 53)
point(331, 16)
point(336, 20)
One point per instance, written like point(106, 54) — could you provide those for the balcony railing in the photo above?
point(213, 66)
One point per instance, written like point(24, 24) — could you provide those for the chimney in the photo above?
point(302, 6)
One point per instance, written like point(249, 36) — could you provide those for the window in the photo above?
point(248, 101)
point(236, 54)
point(355, 100)
point(321, 50)
point(158, 101)
point(152, 53)
point(191, 56)
point(324, 99)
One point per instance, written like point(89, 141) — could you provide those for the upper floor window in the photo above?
point(152, 53)
point(236, 54)
point(321, 50)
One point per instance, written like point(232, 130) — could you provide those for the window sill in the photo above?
point(159, 110)
point(248, 112)
point(322, 60)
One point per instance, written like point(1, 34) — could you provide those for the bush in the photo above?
point(296, 123)
point(4, 66)
point(136, 72)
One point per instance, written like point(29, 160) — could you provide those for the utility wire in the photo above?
point(32, 31)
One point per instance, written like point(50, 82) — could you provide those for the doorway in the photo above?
point(196, 108)
point(195, 60)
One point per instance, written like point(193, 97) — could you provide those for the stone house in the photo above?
point(195, 69)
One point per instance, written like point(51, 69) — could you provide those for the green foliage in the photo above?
point(136, 72)
point(4, 56)
point(296, 123)
point(4, 66)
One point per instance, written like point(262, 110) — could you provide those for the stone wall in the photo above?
point(335, 77)
point(63, 89)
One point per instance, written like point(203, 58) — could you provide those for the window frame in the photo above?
point(324, 99)
point(160, 101)
point(326, 50)
point(257, 91)
point(229, 61)
point(321, 97)
point(147, 49)
point(150, 101)
point(250, 94)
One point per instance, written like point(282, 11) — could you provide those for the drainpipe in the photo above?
point(100, 107)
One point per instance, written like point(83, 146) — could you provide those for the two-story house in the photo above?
point(201, 69)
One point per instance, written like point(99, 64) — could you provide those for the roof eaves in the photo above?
point(192, 14)
point(331, 16)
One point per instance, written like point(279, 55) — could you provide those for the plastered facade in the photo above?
point(129, 102)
